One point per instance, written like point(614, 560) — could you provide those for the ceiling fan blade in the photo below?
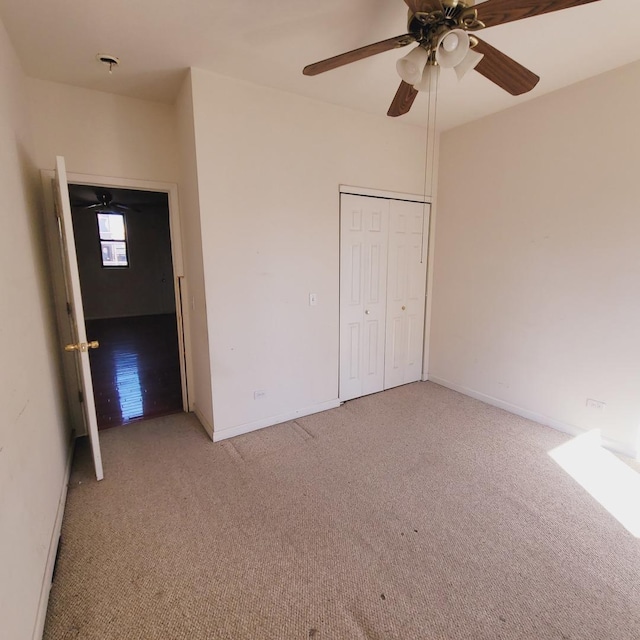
point(102, 206)
point(358, 54)
point(403, 100)
point(504, 71)
point(119, 208)
point(423, 6)
point(495, 12)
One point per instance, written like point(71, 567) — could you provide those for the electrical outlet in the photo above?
point(597, 405)
point(258, 395)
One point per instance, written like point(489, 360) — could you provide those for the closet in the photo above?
point(383, 270)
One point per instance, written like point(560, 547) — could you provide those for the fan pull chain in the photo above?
point(429, 171)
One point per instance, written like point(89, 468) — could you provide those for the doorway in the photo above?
point(123, 247)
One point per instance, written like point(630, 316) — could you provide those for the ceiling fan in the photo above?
point(441, 30)
point(104, 202)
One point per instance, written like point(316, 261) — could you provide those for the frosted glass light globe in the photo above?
point(450, 42)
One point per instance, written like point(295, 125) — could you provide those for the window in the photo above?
point(113, 241)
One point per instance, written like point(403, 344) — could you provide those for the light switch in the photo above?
point(313, 299)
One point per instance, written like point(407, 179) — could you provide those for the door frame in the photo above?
point(179, 280)
point(427, 242)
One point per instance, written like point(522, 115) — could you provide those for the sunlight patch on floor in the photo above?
point(611, 482)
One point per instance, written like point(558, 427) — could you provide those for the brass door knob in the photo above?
point(403, 307)
point(82, 346)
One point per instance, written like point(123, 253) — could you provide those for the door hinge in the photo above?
point(81, 396)
point(68, 308)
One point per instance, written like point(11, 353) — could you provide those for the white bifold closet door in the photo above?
point(382, 293)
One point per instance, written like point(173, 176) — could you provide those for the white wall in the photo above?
point(197, 331)
point(269, 169)
point(103, 134)
point(537, 269)
point(34, 441)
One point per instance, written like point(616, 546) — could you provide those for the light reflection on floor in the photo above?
point(614, 484)
point(128, 385)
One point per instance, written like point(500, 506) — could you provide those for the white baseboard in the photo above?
point(565, 427)
point(267, 422)
point(43, 602)
point(208, 427)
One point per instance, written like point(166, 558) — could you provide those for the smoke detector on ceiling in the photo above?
point(108, 59)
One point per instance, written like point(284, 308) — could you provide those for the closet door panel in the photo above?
point(363, 284)
point(406, 293)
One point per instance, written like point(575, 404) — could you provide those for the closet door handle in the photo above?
point(367, 312)
point(403, 307)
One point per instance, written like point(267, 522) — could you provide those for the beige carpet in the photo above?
point(417, 513)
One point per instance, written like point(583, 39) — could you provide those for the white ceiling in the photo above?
point(268, 42)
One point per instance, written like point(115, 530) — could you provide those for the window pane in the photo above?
point(111, 226)
point(114, 254)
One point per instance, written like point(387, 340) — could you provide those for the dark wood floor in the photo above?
point(136, 370)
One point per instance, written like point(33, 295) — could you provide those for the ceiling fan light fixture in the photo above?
point(452, 47)
point(429, 78)
point(470, 61)
point(411, 67)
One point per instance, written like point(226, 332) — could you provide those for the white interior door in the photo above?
point(363, 283)
point(79, 346)
point(406, 285)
